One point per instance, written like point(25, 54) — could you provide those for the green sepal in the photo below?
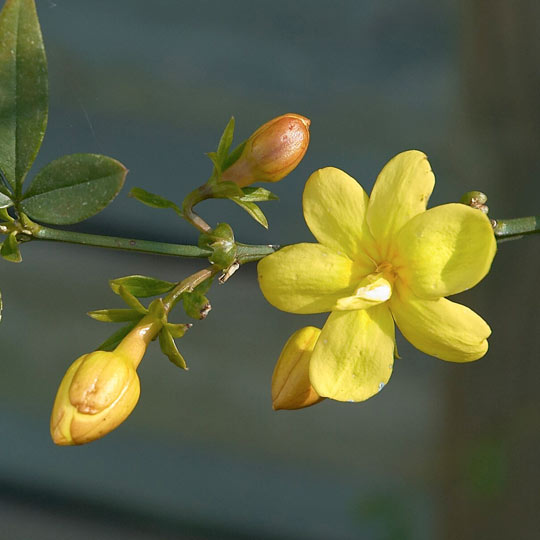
point(253, 210)
point(225, 142)
point(10, 249)
point(157, 310)
point(232, 158)
point(225, 190)
point(4, 214)
point(222, 231)
point(177, 330)
point(196, 305)
point(73, 188)
point(168, 347)
point(114, 340)
point(131, 301)
point(24, 95)
point(257, 194)
point(115, 315)
point(153, 200)
point(223, 253)
point(141, 286)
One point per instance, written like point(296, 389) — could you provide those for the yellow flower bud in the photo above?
point(100, 389)
point(271, 152)
point(291, 388)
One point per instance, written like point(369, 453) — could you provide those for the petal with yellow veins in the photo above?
point(446, 250)
point(335, 212)
point(401, 192)
point(306, 278)
point(354, 355)
point(441, 328)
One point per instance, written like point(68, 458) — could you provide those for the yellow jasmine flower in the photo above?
point(378, 260)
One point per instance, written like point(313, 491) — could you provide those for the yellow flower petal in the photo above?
point(372, 290)
point(306, 278)
point(445, 250)
point(334, 210)
point(401, 192)
point(291, 388)
point(354, 354)
point(441, 328)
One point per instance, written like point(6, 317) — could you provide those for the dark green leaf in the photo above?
point(232, 158)
point(131, 301)
point(5, 201)
point(73, 188)
point(253, 210)
point(142, 286)
point(153, 200)
point(115, 315)
point(257, 194)
point(168, 347)
point(23, 89)
point(226, 190)
point(10, 249)
point(225, 142)
point(114, 340)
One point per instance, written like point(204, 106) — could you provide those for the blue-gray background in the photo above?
point(444, 451)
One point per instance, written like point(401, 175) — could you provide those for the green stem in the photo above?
point(246, 253)
point(513, 229)
point(188, 284)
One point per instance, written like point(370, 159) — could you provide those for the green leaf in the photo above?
point(10, 249)
point(23, 89)
point(115, 315)
point(5, 201)
point(111, 342)
point(73, 188)
point(253, 210)
point(257, 194)
point(225, 141)
point(232, 158)
point(141, 286)
point(131, 301)
point(196, 305)
point(168, 347)
point(153, 200)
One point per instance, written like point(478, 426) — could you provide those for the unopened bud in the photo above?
point(271, 152)
point(99, 390)
point(291, 388)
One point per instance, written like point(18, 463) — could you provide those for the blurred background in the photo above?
point(445, 451)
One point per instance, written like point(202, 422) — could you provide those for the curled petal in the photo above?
point(291, 388)
point(441, 328)
point(335, 212)
point(374, 289)
point(445, 250)
point(354, 354)
point(305, 278)
point(401, 192)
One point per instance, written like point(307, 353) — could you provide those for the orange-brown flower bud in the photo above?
point(291, 388)
point(271, 152)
